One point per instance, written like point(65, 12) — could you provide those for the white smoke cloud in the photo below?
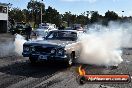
point(6, 49)
point(103, 45)
point(19, 41)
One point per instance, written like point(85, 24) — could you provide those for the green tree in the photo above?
point(95, 17)
point(73, 18)
point(67, 17)
point(27, 15)
point(35, 8)
point(81, 19)
point(111, 15)
point(17, 15)
point(52, 16)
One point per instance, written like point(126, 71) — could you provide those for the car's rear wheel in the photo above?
point(32, 60)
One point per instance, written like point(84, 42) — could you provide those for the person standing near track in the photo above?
point(28, 31)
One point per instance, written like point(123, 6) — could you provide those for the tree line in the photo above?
point(51, 15)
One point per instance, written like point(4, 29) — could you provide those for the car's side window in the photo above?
point(51, 36)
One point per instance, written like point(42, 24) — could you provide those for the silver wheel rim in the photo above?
point(70, 61)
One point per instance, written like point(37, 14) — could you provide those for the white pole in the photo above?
point(7, 19)
point(41, 14)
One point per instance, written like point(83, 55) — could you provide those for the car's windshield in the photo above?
point(62, 35)
point(43, 27)
point(20, 26)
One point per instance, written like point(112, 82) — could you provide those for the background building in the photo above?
point(3, 18)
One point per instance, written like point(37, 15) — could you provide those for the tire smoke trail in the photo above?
point(103, 45)
point(19, 41)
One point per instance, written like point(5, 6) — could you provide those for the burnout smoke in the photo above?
point(19, 41)
point(103, 45)
point(6, 45)
point(6, 49)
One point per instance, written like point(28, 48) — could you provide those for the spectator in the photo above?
point(28, 30)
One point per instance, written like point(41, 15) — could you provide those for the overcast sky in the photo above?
point(80, 6)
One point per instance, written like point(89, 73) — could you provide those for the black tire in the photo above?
point(82, 80)
point(32, 60)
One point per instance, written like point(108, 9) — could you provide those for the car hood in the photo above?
point(49, 43)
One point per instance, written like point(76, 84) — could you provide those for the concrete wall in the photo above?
point(4, 21)
point(3, 16)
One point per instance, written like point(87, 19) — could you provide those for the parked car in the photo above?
point(40, 32)
point(78, 29)
point(58, 45)
point(18, 28)
point(44, 28)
